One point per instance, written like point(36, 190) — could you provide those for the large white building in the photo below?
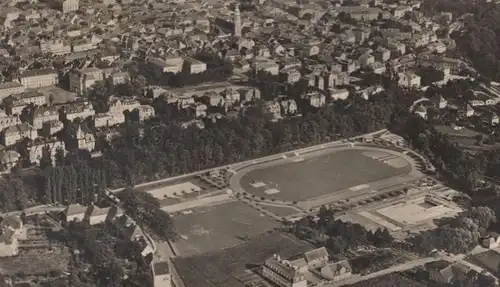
point(315, 263)
point(39, 78)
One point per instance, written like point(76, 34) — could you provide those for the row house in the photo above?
point(108, 120)
point(14, 134)
point(10, 88)
point(40, 115)
point(39, 78)
point(55, 47)
point(40, 148)
point(80, 110)
point(32, 97)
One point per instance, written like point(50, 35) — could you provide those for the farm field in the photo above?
point(220, 226)
point(318, 176)
point(228, 267)
point(391, 280)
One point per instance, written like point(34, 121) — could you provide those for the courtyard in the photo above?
point(314, 177)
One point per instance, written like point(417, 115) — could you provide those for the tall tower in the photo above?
point(237, 21)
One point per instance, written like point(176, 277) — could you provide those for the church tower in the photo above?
point(237, 21)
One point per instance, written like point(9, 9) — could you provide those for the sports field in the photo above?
point(344, 169)
point(219, 226)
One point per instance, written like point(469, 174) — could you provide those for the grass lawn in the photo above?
point(220, 226)
point(319, 176)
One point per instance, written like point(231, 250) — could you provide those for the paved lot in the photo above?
point(220, 226)
point(319, 175)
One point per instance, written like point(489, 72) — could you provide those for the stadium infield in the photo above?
point(219, 226)
point(316, 176)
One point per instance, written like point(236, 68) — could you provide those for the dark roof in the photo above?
point(161, 268)
point(38, 72)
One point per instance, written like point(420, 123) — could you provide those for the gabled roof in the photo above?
point(316, 254)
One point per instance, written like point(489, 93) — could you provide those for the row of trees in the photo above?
point(110, 256)
point(466, 230)
point(336, 235)
point(145, 209)
point(74, 183)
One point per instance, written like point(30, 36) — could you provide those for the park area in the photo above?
point(220, 226)
point(318, 176)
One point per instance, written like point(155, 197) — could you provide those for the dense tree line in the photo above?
point(163, 149)
point(466, 230)
point(146, 210)
point(74, 183)
point(110, 256)
point(336, 235)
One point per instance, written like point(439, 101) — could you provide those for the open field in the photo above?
point(36, 262)
point(220, 226)
point(404, 214)
point(318, 176)
point(228, 267)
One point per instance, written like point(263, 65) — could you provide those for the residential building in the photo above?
point(55, 47)
point(161, 274)
point(170, 64)
point(81, 110)
point(289, 106)
point(444, 272)
point(10, 88)
point(491, 242)
point(382, 54)
point(41, 115)
point(119, 78)
point(68, 6)
point(12, 231)
point(39, 78)
point(316, 100)
point(195, 66)
point(8, 159)
point(81, 80)
point(51, 127)
point(274, 109)
point(199, 110)
point(340, 94)
point(409, 80)
point(119, 106)
point(31, 97)
point(144, 112)
point(14, 134)
point(283, 273)
point(37, 149)
point(249, 94)
point(85, 140)
point(8, 120)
